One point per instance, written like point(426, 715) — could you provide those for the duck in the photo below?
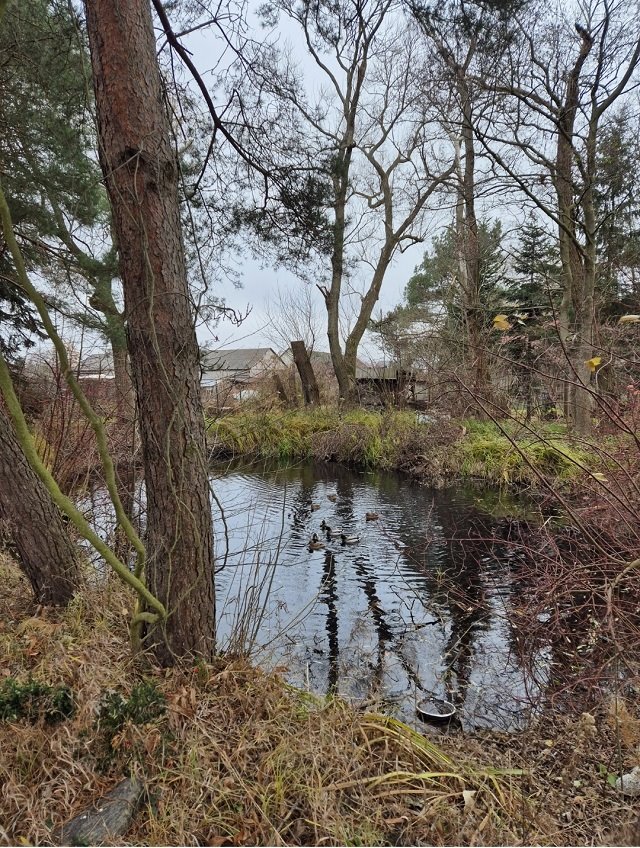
point(333, 498)
point(315, 506)
point(315, 544)
point(349, 540)
point(329, 530)
point(372, 516)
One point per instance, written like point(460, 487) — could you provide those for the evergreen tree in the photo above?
point(536, 264)
point(437, 276)
point(141, 171)
point(49, 173)
point(533, 293)
point(618, 209)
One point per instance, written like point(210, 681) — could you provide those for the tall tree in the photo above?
point(562, 78)
point(617, 202)
point(31, 56)
point(435, 314)
point(53, 182)
point(536, 283)
point(466, 39)
point(365, 139)
point(438, 277)
point(534, 292)
point(141, 172)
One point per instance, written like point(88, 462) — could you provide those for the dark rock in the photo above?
point(107, 820)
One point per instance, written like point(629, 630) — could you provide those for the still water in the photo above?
point(417, 607)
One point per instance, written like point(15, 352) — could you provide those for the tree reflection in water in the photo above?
point(419, 606)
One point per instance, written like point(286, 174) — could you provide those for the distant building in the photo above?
point(96, 366)
point(231, 376)
point(385, 383)
point(227, 376)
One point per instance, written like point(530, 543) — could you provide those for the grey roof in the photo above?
point(239, 359)
point(381, 372)
point(96, 364)
point(320, 357)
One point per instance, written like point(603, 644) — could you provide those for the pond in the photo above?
point(419, 606)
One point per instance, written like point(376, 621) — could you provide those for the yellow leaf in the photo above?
point(500, 322)
point(629, 319)
point(593, 363)
point(599, 476)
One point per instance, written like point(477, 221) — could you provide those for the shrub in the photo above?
point(145, 704)
point(34, 700)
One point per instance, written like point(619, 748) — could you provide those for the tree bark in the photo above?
point(45, 552)
point(124, 440)
point(346, 380)
point(572, 309)
point(281, 390)
point(141, 174)
point(310, 389)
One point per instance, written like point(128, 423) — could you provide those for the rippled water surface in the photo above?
point(415, 608)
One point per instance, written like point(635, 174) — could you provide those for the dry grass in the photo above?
point(240, 758)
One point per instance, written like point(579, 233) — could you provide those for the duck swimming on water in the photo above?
point(349, 540)
point(314, 543)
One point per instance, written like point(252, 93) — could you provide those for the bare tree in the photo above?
point(141, 172)
point(561, 79)
point(293, 314)
point(368, 138)
point(465, 40)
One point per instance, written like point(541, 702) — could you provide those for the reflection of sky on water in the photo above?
point(402, 613)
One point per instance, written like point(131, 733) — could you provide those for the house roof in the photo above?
point(320, 357)
point(381, 372)
point(239, 359)
point(96, 364)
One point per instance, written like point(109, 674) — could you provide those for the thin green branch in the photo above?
point(26, 440)
point(94, 420)
point(64, 503)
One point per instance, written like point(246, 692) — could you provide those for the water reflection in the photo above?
point(329, 595)
point(419, 605)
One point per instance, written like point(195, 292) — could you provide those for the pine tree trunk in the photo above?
point(141, 173)
point(124, 440)
point(46, 553)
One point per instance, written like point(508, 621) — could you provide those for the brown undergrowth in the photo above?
point(231, 755)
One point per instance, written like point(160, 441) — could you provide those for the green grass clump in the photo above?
point(34, 700)
point(395, 440)
point(487, 452)
point(269, 435)
point(388, 440)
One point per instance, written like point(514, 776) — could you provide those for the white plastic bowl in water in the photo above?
point(435, 709)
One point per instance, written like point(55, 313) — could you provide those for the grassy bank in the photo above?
point(230, 755)
point(433, 451)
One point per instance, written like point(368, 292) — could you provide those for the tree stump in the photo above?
point(104, 822)
point(305, 369)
